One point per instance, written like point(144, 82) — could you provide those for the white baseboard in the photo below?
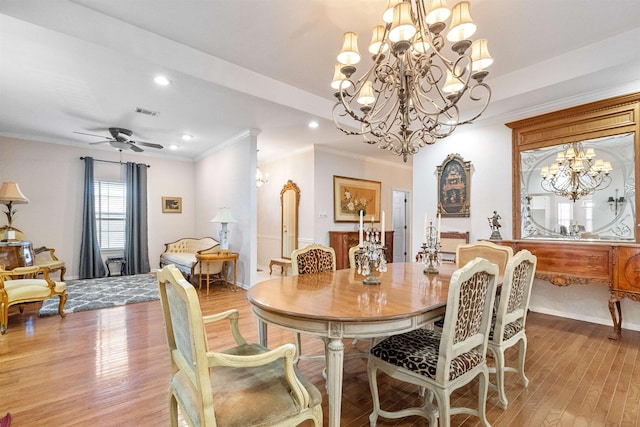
point(585, 318)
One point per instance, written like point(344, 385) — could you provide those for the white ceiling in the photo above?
point(85, 65)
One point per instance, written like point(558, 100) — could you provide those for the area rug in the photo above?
point(93, 294)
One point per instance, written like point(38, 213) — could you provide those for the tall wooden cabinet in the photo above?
point(341, 241)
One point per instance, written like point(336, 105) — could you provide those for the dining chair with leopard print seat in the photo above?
point(508, 324)
point(311, 259)
point(441, 362)
point(314, 258)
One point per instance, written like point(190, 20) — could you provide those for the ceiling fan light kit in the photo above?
point(120, 140)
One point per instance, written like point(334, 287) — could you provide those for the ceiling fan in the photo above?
point(120, 139)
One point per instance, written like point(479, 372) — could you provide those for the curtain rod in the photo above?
point(112, 161)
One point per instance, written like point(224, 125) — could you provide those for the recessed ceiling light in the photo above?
point(162, 81)
point(313, 124)
point(187, 137)
point(173, 147)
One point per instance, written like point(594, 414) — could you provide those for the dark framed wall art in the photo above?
point(454, 182)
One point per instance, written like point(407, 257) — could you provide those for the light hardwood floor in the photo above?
point(111, 368)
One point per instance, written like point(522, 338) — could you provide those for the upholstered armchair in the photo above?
point(246, 385)
point(46, 258)
point(22, 285)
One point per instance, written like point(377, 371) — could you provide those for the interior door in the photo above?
point(400, 225)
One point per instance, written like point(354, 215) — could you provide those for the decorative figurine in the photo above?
point(494, 223)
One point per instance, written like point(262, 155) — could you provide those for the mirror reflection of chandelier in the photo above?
point(410, 96)
point(575, 173)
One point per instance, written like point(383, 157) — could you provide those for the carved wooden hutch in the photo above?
point(570, 262)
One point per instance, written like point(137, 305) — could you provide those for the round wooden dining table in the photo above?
point(337, 305)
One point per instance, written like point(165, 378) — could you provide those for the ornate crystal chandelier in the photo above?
point(575, 174)
point(411, 94)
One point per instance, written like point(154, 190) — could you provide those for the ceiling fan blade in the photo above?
point(99, 142)
point(135, 148)
point(91, 134)
point(148, 144)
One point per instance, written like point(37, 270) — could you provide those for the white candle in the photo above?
point(439, 224)
point(382, 230)
point(426, 224)
point(360, 230)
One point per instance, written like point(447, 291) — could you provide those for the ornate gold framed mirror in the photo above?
point(611, 128)
point(289, 201)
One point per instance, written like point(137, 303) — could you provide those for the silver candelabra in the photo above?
point(430, 249)
point(370, 257)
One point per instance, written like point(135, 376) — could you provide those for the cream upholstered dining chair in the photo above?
point(508, 328)
point(313, 258)
point(496, 254)
point(21, 285)
point(246, 385)
point(441, 362)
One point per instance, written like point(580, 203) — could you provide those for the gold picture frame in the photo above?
point(172, 205)
point(350, 195)
point(454, 182)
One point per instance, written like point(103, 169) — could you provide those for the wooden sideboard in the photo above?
point(341, 241)
point(566, 262)
point(16, 254)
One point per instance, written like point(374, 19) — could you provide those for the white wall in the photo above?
point(298, 168)
point(226, 178)
point(51, 176)
point(489, 151)
point(327, 164)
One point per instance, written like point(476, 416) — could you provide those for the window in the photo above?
point(565, 216)
point(110, 213)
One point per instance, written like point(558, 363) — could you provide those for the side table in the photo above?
point(115, 260)
point(206, 259)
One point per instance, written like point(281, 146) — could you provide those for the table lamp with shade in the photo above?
point(10, 194)
point(224, 217)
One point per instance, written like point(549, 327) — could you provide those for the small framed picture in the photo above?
point(172, 204)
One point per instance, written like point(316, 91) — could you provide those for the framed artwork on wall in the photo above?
point(350, 195)
point(454, 182)
point(172, 204)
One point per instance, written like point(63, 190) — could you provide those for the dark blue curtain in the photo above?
point(90, 260)
point(136, 248)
